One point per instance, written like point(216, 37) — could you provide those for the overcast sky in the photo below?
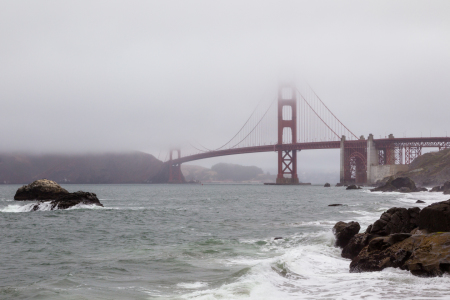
point(142, 75)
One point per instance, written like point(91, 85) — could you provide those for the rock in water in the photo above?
point(344, 232)
point(400, 184)
point(327, 185)
point(435, 217)
point(422, 255)
point(353, 187)
point(42, 189)
point(396, 220)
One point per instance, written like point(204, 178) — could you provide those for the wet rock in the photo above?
point(344, 232)
point(353, 187)
point(337, 204)
point(327, 185)
point(42, 189)
point(422, 255)
point(420, 201)
point(339, 184)
point(435, 217)
point(399, 184)
point(436, 189)
point(278, 238)
point(356, 244)
point(396, 220)
point(71, 199)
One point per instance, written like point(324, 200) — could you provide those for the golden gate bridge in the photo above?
point(299, 120)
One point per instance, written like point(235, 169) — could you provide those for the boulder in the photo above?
point(396, 220)
point(446, 188)
point(42, 189)
point(327, 185)
point(420, 201)
point(72, 199)
point(436, 189)
point(356, 244)
point(422, 255)
point(344, 232)
point(435, 217)
point(353, 187)
point(399, 184)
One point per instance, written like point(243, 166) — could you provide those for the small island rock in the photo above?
point(327, 185)
point(42, 189)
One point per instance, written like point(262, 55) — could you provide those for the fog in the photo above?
point(79, 76)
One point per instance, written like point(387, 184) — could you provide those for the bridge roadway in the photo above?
point(436, 142)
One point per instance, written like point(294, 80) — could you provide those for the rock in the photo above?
point(422, 255)
point(356, 244)
point(396, 220)
point(339, 184)
point(435, 217)
point(42, 189)
point(436, 189)
point(400, 184)
point(278, 238)
point(327, 185)
point(420, 201)
point(344, 232)
point(353, 187)
point(72, 199)
point(446, 188)
point(421, 189)
point(337, 204)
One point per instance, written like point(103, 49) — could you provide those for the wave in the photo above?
point(42, 206)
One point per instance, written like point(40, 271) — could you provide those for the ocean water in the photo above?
point(199, 242)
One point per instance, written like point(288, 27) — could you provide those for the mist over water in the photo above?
point(199, 242)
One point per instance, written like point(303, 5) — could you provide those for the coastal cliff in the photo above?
point(131, 167)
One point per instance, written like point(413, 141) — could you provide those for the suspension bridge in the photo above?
point(299, 120)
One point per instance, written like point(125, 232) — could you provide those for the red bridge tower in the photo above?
point(287, 122)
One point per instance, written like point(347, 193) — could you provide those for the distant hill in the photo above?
point(225, 172)
point(131, 167)
point(430, 169)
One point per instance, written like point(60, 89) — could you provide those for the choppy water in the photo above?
point(198, 242)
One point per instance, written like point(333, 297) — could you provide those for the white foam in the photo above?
point(318, 272)
point(192, 285)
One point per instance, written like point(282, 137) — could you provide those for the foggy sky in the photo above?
point(81, 76)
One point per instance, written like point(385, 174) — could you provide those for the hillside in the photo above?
point(430, 169)
point(225, 172)
point(131, 167)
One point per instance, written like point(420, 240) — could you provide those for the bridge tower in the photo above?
point(175, 175)
point(287, 119)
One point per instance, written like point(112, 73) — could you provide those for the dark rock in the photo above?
point(436, 189)
point(356, 244)
point(446, 188)
point(401, 184)
point(422, 255)
point(278, 238)
point(435, 217)
point(420, 201)
point(344, 232)
point(72, 199)
point(337, 204)
point(339, 184)
point(42, 189)
point(396, 220)
point(353, 187)
point(327, 185)
point(421, 189)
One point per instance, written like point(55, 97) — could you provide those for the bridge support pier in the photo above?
point(175, 175)
point(287, 122)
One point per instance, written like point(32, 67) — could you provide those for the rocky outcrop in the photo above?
point(344, 232)
point(435, 217)
point(445, 188)
point(327, 185)
point(72, 199)
point(42, 189)
point(356, 244)
point(399, 184)
point(395, 220)
point(353, 187)
point(422, 255)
